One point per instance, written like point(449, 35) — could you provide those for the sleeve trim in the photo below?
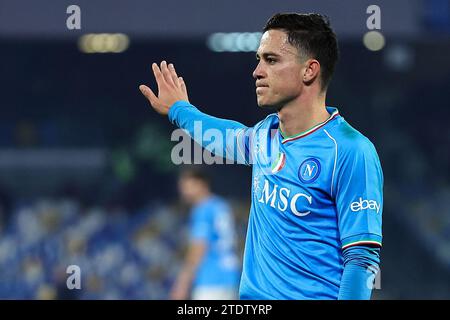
point(362, 242)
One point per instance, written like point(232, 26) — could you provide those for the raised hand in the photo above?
point(171, 88)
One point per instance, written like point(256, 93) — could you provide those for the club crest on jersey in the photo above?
point(279, 163)
point(309, 170)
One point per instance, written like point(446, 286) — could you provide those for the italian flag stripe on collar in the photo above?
point(308, 132)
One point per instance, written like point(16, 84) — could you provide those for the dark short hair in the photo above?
point(312, 35)
point(197, 174)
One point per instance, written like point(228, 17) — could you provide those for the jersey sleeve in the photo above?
point(224, 138)
point(361, 265)
point(359, 195)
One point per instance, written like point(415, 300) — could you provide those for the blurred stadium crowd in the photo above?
point(121, 255)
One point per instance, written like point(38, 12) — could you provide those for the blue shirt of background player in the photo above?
point(212, 222)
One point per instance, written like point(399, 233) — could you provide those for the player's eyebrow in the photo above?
point(267, 54)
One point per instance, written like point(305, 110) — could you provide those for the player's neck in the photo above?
point(302, 114)
point(202, 196)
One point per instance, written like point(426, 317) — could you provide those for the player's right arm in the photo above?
point(172, 100)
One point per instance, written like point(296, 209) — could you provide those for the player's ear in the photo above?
point(312, 70)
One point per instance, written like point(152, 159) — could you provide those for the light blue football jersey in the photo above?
point(313, 195)
point(212, 222)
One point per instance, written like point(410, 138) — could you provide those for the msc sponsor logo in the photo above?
point(309, 170)
point(364, 204)
point(282, 198)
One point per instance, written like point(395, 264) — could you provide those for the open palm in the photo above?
point(171, 88)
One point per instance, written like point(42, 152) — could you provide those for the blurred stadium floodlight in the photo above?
point(399, 57)
point(103, 43)
point(234, 41)
point(374, 40)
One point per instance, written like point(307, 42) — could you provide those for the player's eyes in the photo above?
point(269, 60)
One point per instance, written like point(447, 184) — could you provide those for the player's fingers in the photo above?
point(182, 85)
point(173, 74)
point(166, 73)
point(153, 99)
point(158, 75)
point(148, 93)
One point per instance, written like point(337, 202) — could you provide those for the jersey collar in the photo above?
point(334, 113)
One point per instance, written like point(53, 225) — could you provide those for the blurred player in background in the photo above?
point(211, 269)
point(317, 191)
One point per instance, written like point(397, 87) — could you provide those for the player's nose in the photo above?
point(258, 72)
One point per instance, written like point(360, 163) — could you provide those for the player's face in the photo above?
point(190, 189)
point(279, 71)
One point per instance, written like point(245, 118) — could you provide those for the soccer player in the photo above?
point(211, 268)
point(314, 229)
